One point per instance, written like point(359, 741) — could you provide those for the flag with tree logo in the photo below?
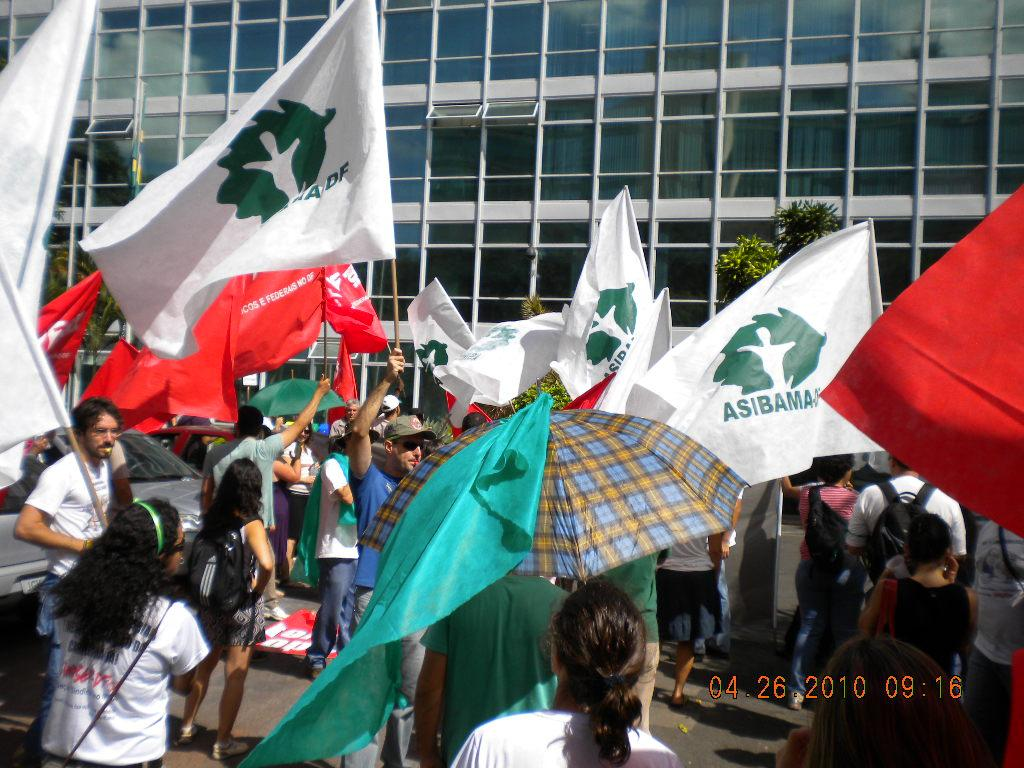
point(613, 295)
point(504, 363)
point(439, 334)
point(747, 384)
point(298, 177)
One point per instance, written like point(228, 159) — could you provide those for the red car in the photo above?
point(191, 442)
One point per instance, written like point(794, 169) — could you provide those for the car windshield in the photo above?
point(148, 460)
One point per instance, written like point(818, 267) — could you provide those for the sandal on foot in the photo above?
point(186, 735)
point(229, 749)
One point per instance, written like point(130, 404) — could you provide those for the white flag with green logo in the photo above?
point(652, 341)
point(439, 334)
point(298, 177)
point(613, 295)
point(504, 363)
point(746, 385)
point(38, 89)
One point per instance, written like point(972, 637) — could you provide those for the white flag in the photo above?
point(504, 363)
point(652, 341)
point(746, 384)
point(439, 333)
point(613, 295)
point(298, 177)
point(38, 89)
point(30, 403)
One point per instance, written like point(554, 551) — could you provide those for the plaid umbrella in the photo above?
point(615, 488)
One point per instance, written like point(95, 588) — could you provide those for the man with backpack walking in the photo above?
point(878, 527)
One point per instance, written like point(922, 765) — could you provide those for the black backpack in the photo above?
point(826, 534)
point(218, 572)
point(890, 533)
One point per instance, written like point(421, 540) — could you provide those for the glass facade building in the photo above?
point(511, 124)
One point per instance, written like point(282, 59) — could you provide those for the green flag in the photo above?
point(471, 524)
point(307, 566)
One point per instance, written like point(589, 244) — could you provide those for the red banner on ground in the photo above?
point(291, 636)
point(937, 379)
point(63, 322)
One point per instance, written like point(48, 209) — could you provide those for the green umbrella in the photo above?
point(291, 396)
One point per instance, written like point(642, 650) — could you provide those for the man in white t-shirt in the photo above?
point(337, 555)
point(871, 502)
point(61, 517)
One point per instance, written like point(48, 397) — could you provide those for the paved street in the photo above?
point(723, 732)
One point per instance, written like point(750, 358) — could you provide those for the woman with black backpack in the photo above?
point(230, 564)
point(829, 583)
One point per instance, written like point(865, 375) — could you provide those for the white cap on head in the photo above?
point(390, 403)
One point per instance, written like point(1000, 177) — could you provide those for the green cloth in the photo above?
point(497, 664)
point(636, 579)
point(307, 566)
point(469, 525)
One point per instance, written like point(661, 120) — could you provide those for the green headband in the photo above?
point(156, 524)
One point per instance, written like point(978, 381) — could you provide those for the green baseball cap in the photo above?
point(407, 426)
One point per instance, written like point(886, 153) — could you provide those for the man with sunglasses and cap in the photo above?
point(403, 441)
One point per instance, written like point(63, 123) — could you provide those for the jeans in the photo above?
point(987, 694)
point(45, 627)
point(335, 614)
point(826, 599)
point(398, 731)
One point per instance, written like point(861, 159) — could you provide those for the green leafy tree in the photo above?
point(743, 265)
point(801, 223)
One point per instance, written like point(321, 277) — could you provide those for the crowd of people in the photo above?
point(527, 672)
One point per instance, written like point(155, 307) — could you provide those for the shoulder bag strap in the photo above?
point(117, 688)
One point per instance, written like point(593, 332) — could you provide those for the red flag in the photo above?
point(202, 383)
point(344, 382)
point(473, 408)
point(936, 381)
point(110, 376)
point(280, 314)
point(63, 322)
point(589, 398)
point(350, 312)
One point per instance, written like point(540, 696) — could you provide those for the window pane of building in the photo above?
point(516, 29)
point(626, 147)
point(158, 156)
point(887, 16)
point(756, 19)
point(885, 140)
point(817, 142)
point(460, 32)
point(568, 149)
point(1011, 137)
point(954, 14)
point(455, 152)
point(632, 23)
point(686, 272)
point(750, 143)
point(822, 17)
point(118, 53)
point(162, 51)
point(407, 35)
point(406, 153)
point(693, 21)
point(811, 99)
point(956, 138)
point(571, 109)
point(256, 46)
point(573, 26)
point(688, 146)
point(297, 34)
point(511, 151)
point(208, 48)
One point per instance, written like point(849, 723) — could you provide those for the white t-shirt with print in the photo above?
point(306, 462)
point(552, 740)
point(871, 502)
point(62, 495)
point(1000, 595)
point(334, 540)
point(133, 728)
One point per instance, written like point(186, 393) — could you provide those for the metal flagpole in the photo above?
point(400, 387)
point(73, 224)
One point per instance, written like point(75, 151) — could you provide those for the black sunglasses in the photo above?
point(411, 445)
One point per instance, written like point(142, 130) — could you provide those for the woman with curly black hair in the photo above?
point(122, 634)
point(598, 646)
point(236, 505)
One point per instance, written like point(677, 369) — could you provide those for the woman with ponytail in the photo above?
point(123, 638)
point(597, 653)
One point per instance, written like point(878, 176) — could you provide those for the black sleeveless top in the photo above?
point(936, 620)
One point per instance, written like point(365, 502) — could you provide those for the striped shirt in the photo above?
point(840, 499)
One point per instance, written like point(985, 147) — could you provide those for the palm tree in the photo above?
point(801, 223)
